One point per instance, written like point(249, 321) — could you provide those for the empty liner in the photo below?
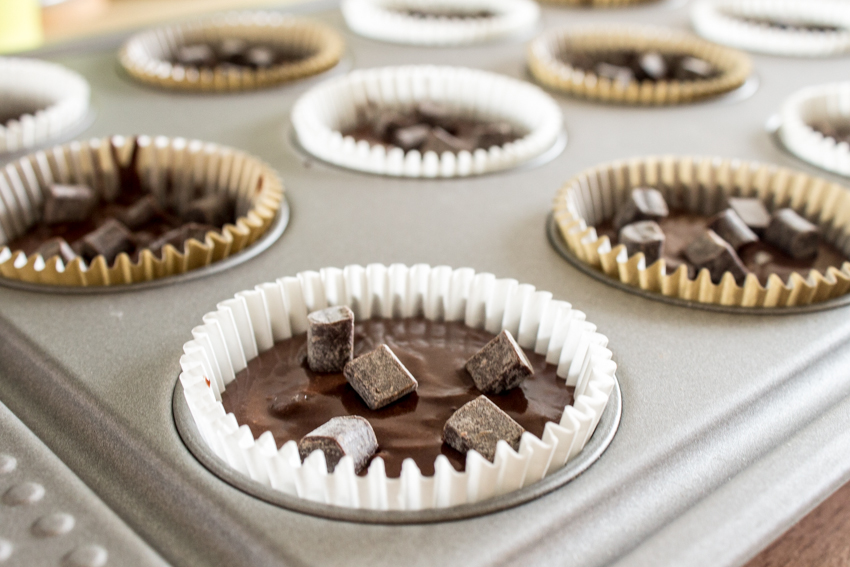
point(323, 113)
point(39, 102)
point(148, 56)
point(172, 169)
point(808, 108)
point(439, 22)
point(745, 24)
point(701, 185)
point(550, 70)
point(255, 319)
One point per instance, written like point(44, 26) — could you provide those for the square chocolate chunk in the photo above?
point(215, 210)
point(350, 435)
point(177, 237)
point(56, 246)
point(731, 228)
point(68, 203)
point(643, 203)
point(717, 256)
point(109, 240)
point(499, 366)
point(752, 211)
point(440, 141)
point(139, 213)
point(793, 234)
point(411, 137)
point(643, 236)
point(379, 378)
point(478, 426)
point(330, 339)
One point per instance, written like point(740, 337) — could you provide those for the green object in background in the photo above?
point(20, 25)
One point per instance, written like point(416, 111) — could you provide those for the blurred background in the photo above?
point(27, 24)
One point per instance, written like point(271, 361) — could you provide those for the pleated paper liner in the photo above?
point(324, 112)
point(808, 108)
point(701, 185)
point(725, 21)
point(45, 101)
point(167, 168)
point(254, 320)
point(549, 70)
point(386, 20)
point(147, 56)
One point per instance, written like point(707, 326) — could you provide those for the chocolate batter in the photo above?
point(629, 60)
point(777, 23)
point(445, 13)
point(279, 393)
point(761, 258)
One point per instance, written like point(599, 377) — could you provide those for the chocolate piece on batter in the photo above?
point(139, 213)
point(387, 120)
point(672, 264)
point(793, 234)
point(379, 378)
point(752, 211)
point(68, 203)
point(232, 50)
point(729, 226)
point(711, 252)
point(56, 247)
point(260, 57)
point(643, 203)
point(213, 209)
point(643, 236)
point(501, 365)
point(177, 237)
point(493, 134)
point(109, 240)
point(614, 73)
point(479, 425)
point(350, 435)
point(693, 68)
point(198, 55)
point(434, 113)
point(440, 141)
point(652, 65)
point(330, 339)
point(411, 137)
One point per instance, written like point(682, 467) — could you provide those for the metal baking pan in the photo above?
point(733, 426)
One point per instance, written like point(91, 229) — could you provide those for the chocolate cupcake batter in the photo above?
point(631, 65)
point(277, 392)
point(445, 13)
point(790, 25)
point(762, 259)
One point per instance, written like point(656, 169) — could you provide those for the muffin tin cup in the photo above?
point(148, 55)
point(549, 70)
point(321, 115)
point(62, 97)
point(169, 168)
point(701, 185)
point(807, 107)
point(385, 20)
point(254, 320)
point(724, 21)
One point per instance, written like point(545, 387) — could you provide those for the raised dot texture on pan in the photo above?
point(6, 549)
point(53, 525)
point(86, 556)
point(8, 463)
point(23, 494)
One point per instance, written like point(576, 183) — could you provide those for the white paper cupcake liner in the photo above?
point(147, 56)
point(385, 20)
point(61, 96)
point(323, 113)
point(810, 106)
point(254, 320)
point(724, 21)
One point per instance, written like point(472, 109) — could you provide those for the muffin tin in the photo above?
point(733, 425)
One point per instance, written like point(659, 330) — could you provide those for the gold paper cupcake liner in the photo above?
point(549, 70)
point(169, 169)
point(147, 56)
point(701, 185)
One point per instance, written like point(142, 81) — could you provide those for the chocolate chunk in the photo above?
point(440, 141)
point(501, 365)
point(232, 49)
point(260, 57)
point(479, 425)
point(139, 213)
point(411, 137)
point(673, 264)
point(349, 435)
point(330, 339)
point(215, 210)
point(793, 234)
point(290, 406)
point(109, 240)
point(643, 203)
point(68, 203)
point(752, 212)
point(692, 68)
point(652, 65)
point(379, 378)
point(177, 237)
point(386, 121)
point(615, 73)
point(434, 113)
point(56, 246)
point(643, 236)
point(493, 134)
point(197, 55)
point(717, 256)
point(729, 226)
